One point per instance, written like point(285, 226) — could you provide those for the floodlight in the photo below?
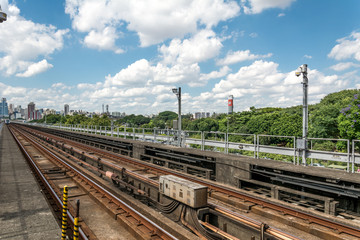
point(2, 16)
point(301, 69)
point(175, 90)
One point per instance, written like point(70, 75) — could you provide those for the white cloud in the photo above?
point(253, 35)
point(215, 74)
point(87, 86)
point(36, 68)
point(261, 84)
point(202, 46)
point(348, 47)
point(281, 14)
point(137, 73)
point(307, 56)
point(141, 73)
point(153, 21)
point(240, 56)
point(103, 40)
point(22, 42)
point(257, 6)
point(343, 66)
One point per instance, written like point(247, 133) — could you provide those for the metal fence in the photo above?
point(256, 146)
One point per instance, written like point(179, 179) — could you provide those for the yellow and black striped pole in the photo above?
point(76, 221)
point(64, 214)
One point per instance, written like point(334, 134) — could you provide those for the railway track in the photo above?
point(109, 161)
point(143, 227)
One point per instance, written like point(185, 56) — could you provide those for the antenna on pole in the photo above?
point(3, 16)
point(302, 143)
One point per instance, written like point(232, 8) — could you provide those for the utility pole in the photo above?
point(303, 144)
point(177, 92)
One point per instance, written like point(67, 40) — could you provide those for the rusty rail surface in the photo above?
point(46, 183)
point(213, 186)
point(154, 228)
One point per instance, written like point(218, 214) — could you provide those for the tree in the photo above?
point(167, 115)
point(349, 120)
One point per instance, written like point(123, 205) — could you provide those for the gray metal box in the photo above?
point(187, 192)
point(301, 143)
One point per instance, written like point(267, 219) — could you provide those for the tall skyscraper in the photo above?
point(11, 108)
point(4, 111)
point(66, 109)
point(31, 111)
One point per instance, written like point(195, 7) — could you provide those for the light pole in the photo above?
point(3, 16)
point(177, 92)
point(303, 143)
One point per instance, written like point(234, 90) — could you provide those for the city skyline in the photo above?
point(129, 56)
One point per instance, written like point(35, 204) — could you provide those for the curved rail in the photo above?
point(340, 228)
point(144, 220)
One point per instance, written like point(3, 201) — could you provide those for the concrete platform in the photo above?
point(24, 212)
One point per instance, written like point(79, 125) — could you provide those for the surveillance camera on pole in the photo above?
point(177, 92)
point(3, 16)
point(302, 143)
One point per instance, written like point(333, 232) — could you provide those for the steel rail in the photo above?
point(251, 222)
point(341, 228)
point(146, 221)
point(46, 182)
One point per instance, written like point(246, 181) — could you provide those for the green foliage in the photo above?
point(204, 124)
point(323, 122)
point(50, 119)
point(134, 120)
point(286, 124)
point(349, 118)
point(167, 115)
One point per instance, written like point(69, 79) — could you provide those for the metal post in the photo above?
point(133, 133)
point(168, 136)
point(202, 141)
point(227, 136)
point(64, 213)
point(303, 70)
point(177, 92)
point(76, 221)
point(305, 111)
point(348, 160)
point(179, 101)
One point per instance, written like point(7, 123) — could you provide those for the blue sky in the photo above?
point(129, 54)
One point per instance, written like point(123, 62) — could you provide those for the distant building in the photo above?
point(11, 108)
point(4, 111)
point(31, 111)
point(199, 115)
point(37, 114)
point(107, 110)
point(66, 109)
point(116, 114)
